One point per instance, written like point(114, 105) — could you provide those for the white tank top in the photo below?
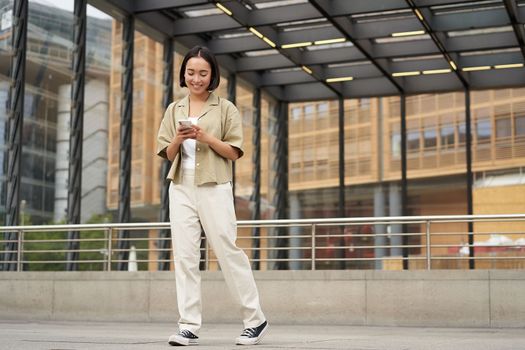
point(188, 149)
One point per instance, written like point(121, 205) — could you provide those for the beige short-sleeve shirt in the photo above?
point(220, 118)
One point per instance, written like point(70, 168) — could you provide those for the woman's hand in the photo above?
point(203, 136)
point(222, 148)
point(184, 133)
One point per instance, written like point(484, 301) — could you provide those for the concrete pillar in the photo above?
point(95, 154)
point(62, 153)
point(295, 213)
point(395, 210)
point(95, 149)
point(379, 211)
point(379, 195)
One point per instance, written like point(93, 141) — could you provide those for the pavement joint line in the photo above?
point(90, 342)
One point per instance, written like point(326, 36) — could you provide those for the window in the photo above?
point(483, 130)
point(447, 136)
point(364, 103)
point(503, 128)
point(395, 146)
point(49, 199)
point(138, 96)
point(295, 155)
point(309, 111)
point(430, 137)
point(322, 110)
point(413, 140)
point(365, 146)
point(462, 133)
point(351, 148)
point(519, 129)
point(296, 113)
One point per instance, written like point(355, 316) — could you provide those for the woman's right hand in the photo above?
point(184, 133)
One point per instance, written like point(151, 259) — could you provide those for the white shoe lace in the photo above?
point(249, 332)
point(186, 333)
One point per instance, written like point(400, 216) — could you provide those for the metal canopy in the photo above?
point(385, 47)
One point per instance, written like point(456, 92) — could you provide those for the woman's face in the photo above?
point(197, 75)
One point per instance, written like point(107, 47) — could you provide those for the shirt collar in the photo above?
point(212, 101)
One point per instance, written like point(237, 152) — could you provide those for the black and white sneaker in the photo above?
point(183, 338)
point(252, 336)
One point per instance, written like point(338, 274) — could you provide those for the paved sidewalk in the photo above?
point(50, 335)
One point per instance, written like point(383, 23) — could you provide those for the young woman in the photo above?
point(201, 135)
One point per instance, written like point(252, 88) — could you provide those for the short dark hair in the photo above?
point(208, 56)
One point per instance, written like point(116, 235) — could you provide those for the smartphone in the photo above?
point(185, 123)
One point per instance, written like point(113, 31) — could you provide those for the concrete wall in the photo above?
point(447, 298)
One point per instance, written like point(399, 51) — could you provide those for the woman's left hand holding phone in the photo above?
point(185, 130)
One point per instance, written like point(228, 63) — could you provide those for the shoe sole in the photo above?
point(174, 343)
point(177, 343)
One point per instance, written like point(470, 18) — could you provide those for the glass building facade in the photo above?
point(436, 142)
point(45, 133)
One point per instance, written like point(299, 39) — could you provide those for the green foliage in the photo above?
point(53, 251)
point(98, 249)
point(95, 244)
point(33, 254)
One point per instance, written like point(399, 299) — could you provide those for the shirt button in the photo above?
point(198, 164)
point(198, 149)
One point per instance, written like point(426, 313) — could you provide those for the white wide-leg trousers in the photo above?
point(212, 207)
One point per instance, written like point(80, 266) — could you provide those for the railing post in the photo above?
point(429, 258)
point(110, 238)
point(19, 250)
point(313, 247)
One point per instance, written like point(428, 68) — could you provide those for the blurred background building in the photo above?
point(47, 111)
point(435, 139)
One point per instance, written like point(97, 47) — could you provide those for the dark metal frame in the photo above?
point(368, 25)
point(167, 98)
point(126, 113)
point(280, 182)
point(341, 141)
point(469, 178)
point(517, 25)
point(14, 128)
point(232, 96)
point(255, 198)
point(74, 193)
point(341, 189)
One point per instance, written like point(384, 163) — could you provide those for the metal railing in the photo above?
point(338, 243)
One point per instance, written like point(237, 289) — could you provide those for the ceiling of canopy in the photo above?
point(299, 50)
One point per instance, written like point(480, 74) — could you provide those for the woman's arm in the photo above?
point(183, 133)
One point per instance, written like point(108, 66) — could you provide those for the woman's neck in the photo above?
point(197, 103)
point(200, 98)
